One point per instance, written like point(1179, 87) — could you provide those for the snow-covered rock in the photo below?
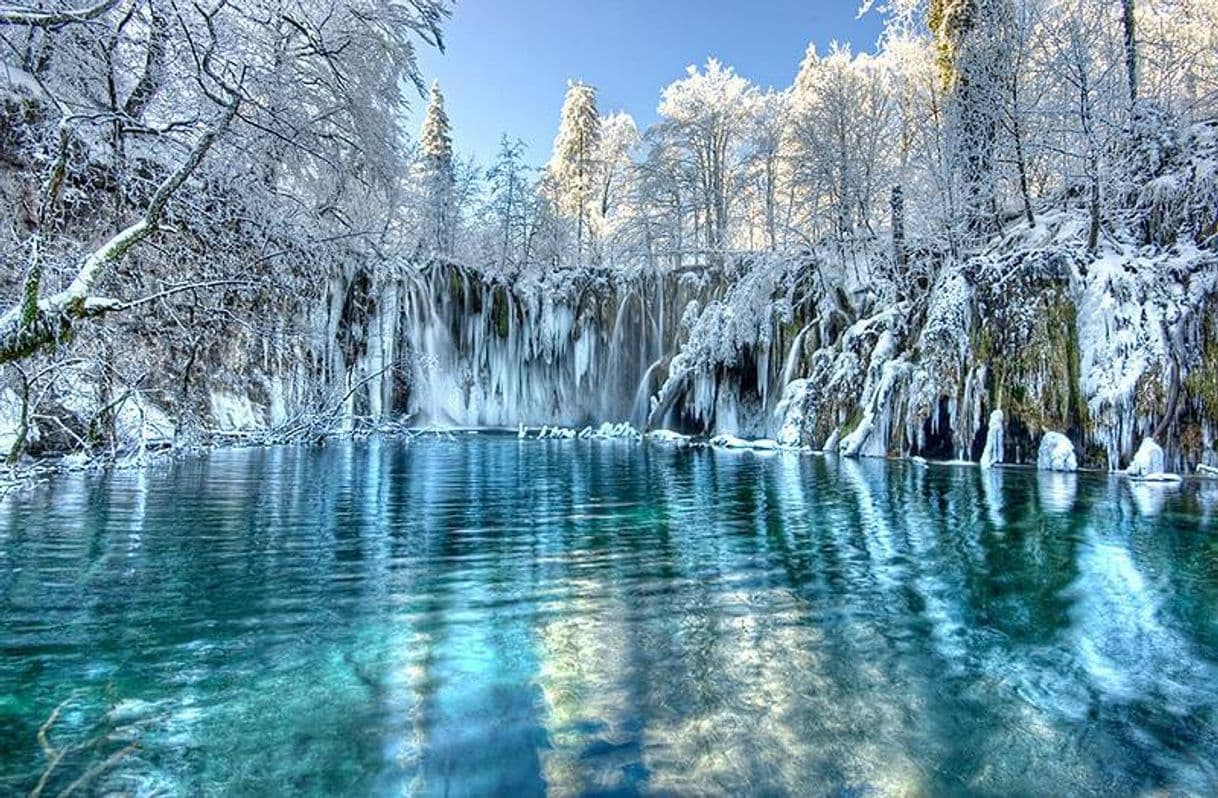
point(993, 441)
point(1056, 453)
point(1160, 476)
point(733, 442)
point(139, 423)
point(1148, 460)
point(233, 413)
point(669, 437)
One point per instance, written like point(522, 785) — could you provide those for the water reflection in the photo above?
point(489, 615)
point(1057, 490)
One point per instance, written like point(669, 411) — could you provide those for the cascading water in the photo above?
point(448, 347)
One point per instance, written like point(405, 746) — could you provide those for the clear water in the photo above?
point(483, 615)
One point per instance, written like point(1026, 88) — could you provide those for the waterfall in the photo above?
point(448, 346)
point(793, 357)
point(642, 396)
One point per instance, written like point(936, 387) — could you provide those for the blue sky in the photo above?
point(508, 61)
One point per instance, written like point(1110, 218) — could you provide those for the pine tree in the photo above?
point(438, 174)
point(572, 174)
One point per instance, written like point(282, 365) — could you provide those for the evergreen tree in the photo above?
point(438, 175)
point(572, 174)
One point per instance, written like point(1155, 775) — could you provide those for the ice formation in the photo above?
point(1056, 453)
point(993, 452)
point(1148, 459)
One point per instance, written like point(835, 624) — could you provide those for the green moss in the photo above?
point(1202, 380)
point(499, 311)
point(1035, 370)
point(456, 286)
point(852, 422)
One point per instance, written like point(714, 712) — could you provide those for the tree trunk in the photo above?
point(1131, 49)
point(899, 254)
point(1023, 177)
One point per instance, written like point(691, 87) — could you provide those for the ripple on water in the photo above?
point(488, 615)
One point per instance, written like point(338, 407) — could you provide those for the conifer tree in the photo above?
point(438, 175)
point(572, 172)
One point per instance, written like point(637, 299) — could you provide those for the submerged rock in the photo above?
point(1148, 460)
point(993, 441)
point(1056, 453)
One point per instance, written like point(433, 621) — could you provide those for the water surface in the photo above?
point(484, 615)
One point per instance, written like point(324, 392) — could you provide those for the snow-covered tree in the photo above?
point(166, 115)
point(619, 137)
point(971, 40)
point(511, 205)
point(705, 116)
point(572, 175)
point(840, 141)
point(766, 135)
point(438, 175)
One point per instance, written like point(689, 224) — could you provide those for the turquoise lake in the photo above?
point(474, 615)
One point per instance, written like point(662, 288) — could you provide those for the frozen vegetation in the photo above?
point(993, 238)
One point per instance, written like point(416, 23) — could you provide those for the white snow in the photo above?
point(733, 442)
point(667, 436)
point(10, 420)
point(1056, 453)
point(1148, 460)
point(139, 423)
point(1163, 477)
point(232, 413)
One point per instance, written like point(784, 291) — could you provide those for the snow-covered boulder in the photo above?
point(733, 442)
point(1148, 460)
point(1161, 477)
point(668, 437)
point(1056, 453)
point(139, 423)
point(993, 452)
